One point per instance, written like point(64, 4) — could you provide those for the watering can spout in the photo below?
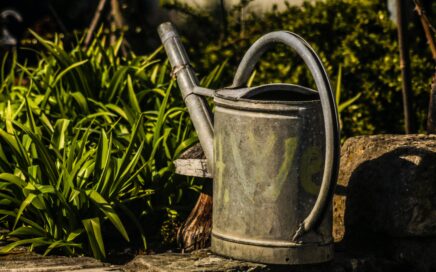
point(200, 113)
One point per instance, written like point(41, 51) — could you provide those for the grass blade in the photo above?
point(93, 230)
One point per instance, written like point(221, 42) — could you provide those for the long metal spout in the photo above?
point(197, 106)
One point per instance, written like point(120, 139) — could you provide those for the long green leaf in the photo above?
point(10, 178)
point(39, 241)
point(66, 70)
point(161, 115)
point(93, 230)
point(347, 103)
point(132, 96)
point(59, 136)
point(109, 211)
point(27, 231)
point(338, 86)
point(25, 220)
point(24, 204)
point(117, 81)
point(184, 145)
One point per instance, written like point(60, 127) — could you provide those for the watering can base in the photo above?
point(286, 255)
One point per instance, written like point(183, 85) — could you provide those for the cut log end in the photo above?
point(196, 230)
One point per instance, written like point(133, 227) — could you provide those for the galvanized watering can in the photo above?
point(274, 154)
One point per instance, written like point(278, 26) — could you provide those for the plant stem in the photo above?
point(94, 21)
point(431, 117)
point(426, 26)
point(117, 18)
point(409, 125)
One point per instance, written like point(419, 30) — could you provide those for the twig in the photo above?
point(405, 66)
point(431, 117)
point(94, 22)
point(116, 14)
point(426, 25)
point(117, 24)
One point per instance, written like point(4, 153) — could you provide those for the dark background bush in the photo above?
point(358, 36)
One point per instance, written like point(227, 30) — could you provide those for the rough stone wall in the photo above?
point(387, 184)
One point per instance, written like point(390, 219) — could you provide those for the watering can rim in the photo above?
point(247, 94)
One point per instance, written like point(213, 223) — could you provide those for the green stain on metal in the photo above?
point(282, 176)
point(311, 163)
point(226, 195)
point(267, 145)
point(237, 160)
point(219, 163)
point(256, 156)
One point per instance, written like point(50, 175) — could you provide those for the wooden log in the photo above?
point(195, 232)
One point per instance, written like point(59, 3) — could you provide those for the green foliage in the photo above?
point(87, 140)
point(342, 106)
point(359, 36)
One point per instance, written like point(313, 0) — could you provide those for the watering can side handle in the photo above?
point(331, 124)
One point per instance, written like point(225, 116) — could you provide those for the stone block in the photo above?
point(387, 185)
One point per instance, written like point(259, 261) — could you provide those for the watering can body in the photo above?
point(268, 171)
point(273, 151)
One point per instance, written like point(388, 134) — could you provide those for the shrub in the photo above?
point(359, 36)
point(87, 140)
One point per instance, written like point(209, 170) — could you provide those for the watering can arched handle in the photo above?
point(330, 113)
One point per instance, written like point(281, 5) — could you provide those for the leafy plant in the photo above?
point(342, 105)
point(86, 147)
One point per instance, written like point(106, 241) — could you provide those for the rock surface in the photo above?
point(31, 262)
point(202, 260)
point(197, 261)
point(387, 185)
point(205, 261)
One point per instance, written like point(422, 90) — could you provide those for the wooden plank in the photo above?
point(192, 168)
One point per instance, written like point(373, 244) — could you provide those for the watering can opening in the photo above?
point(271, 93)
